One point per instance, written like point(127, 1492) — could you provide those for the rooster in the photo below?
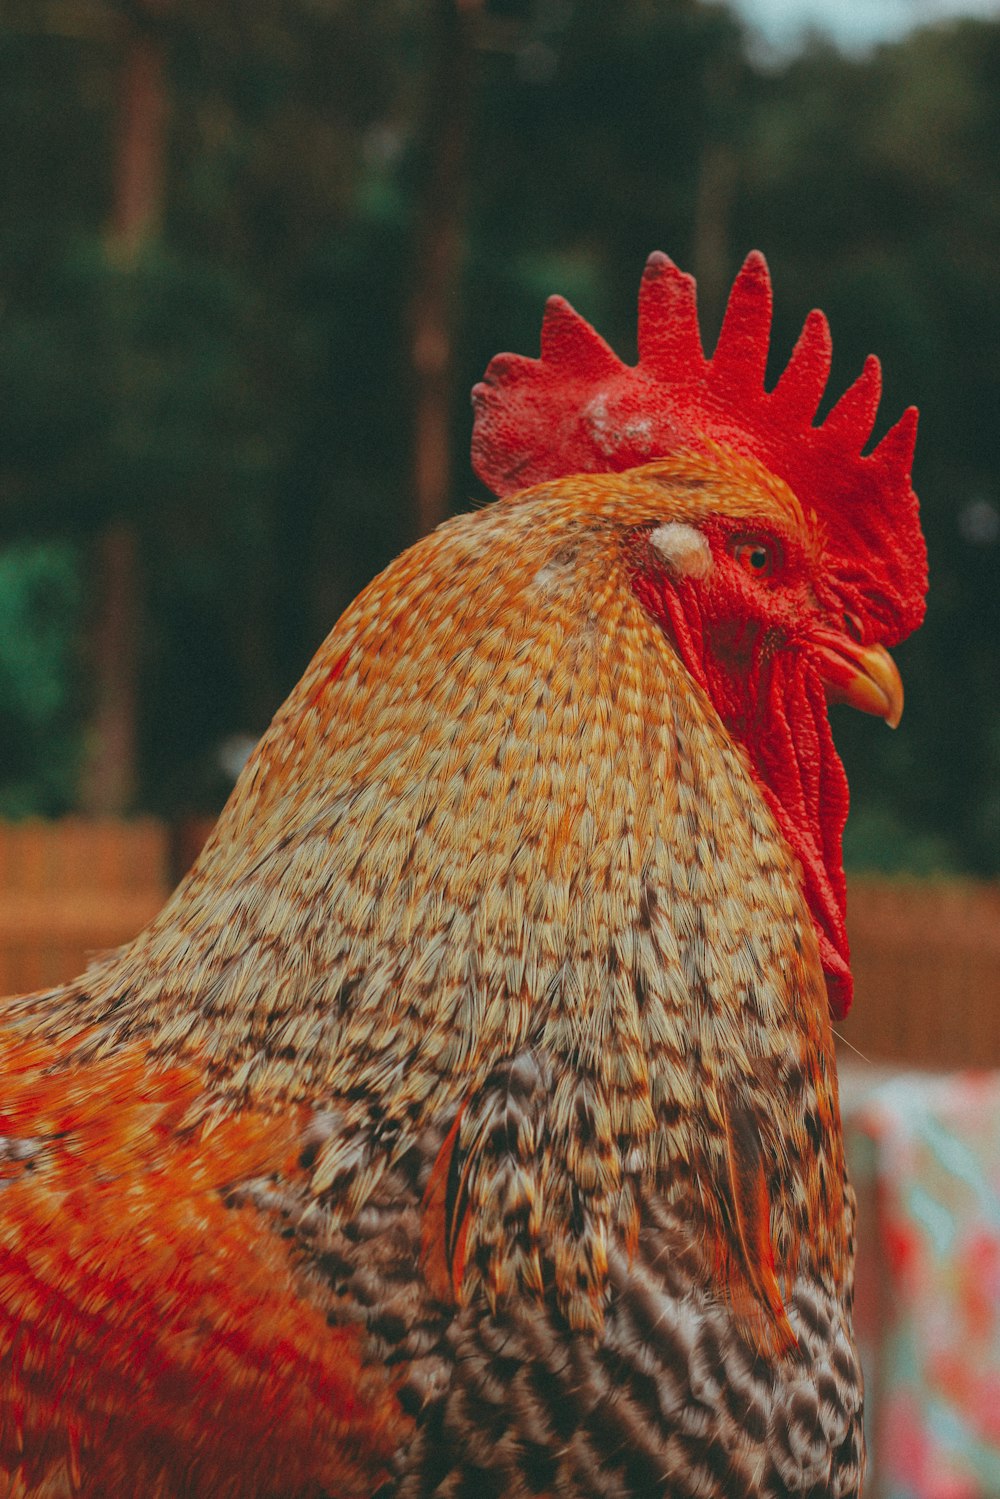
point(467, 1124)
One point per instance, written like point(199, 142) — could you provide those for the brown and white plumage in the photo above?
point(503, 916)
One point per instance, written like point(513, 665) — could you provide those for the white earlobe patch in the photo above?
point(683, 547)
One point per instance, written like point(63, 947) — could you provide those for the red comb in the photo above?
point(579, 409)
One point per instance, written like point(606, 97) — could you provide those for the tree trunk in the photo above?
point(110, 775)
point(718, 180)
point(711, 248)
point(138, 183)
point(434, 310)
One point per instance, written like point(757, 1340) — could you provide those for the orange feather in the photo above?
point(152, 1338)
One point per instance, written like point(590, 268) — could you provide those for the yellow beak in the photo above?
point(863, 675)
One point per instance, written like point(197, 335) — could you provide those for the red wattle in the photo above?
point(775, 706)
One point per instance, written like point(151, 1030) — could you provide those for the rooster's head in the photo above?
point(781, 561)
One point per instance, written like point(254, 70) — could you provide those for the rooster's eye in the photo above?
point(754, 556)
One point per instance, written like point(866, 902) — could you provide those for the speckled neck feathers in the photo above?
point(496, 814)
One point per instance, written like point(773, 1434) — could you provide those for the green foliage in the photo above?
point(877, 181)
point(242, 391)
point(39, 626)
point(877, 842)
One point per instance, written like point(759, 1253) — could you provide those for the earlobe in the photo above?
point(683, 548)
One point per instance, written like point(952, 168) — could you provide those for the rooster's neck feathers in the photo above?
point(497, 814)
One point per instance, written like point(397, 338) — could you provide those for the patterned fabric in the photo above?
point(925, 1154)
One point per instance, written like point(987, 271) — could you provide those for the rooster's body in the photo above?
point(467, 1124)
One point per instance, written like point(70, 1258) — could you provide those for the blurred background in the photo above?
point(254, 254)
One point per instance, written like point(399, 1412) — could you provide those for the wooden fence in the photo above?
point(926, 961)
point(926, 955)
point(73, 887)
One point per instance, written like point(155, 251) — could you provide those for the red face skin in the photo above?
point(763, 632)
